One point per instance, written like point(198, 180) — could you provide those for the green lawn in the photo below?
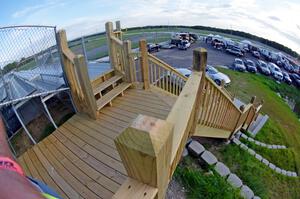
point(199, 183)
point(282, 128)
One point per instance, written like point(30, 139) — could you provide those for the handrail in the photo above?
point(166, 66)
point(181, 115)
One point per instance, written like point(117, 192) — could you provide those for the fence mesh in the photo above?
point(29, 62)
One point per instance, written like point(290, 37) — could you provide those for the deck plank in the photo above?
point(79, 159)
point(44, 174)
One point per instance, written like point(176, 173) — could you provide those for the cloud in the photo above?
point(298, 26)
point(35, 8)
point(274, 18)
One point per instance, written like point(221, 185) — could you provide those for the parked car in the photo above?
point(152, 47)
point(250, 66)
point(296, 79)
point(235, 51)
point(263, 68)
point(168, 46)
point(275, 71)
point(184, 71)
point(184, 45)
point(286, 78)
point(239, 65)
point(217, 76)
point(256, 54)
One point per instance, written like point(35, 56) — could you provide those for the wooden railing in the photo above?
point(157, 73)
point(76, 73)
point(151, 148)
point(120, 53)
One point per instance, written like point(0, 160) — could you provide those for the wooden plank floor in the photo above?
point(79, 159)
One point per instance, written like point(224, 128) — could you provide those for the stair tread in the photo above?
point(107, 83)
point(205, 131)
point(112, 94)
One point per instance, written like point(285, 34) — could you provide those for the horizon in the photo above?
point(89, 17)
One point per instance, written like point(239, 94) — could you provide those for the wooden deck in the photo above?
point(79, 159)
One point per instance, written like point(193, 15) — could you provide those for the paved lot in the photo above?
point(184, 58)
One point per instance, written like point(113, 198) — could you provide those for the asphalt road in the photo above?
point(184, 58)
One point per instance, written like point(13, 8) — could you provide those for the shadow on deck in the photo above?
point(79, 159)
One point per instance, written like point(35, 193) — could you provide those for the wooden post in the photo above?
point(87, 95)
point(144, 63)
point(199, 65)
point(222, 83)
point(253, 99)
point(119, 30)
point(145, 149)
point(110, 45)
point(130, 71)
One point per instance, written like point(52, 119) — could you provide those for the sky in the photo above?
point(276, 20)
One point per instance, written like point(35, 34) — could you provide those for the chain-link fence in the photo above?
point(29, 61)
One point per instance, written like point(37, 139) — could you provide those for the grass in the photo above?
point(283, 158)
point(282, 128)
point(199, 184)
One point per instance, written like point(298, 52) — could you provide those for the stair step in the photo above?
point(108, 97)
point(107, 83)
point(210, 132)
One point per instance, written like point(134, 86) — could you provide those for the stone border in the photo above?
point(197, 150)
point(263, 160)
point(258, 143)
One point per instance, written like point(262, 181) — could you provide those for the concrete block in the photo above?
point(265, 161)
point(263, 144)
point(209, 158)
point(289, 173)
point(195, 148)
point(256, 197)
point(272, 166)
point(270, 146)
point(257, 143)
point(185, 152)
point(243, 146)
point(283, 172)
point(251, 152)
point(259, 157)
point(222, 169)
point(238, 134)
point(234, 180)
point(250, 139)
point(236, 141)
point(294, 174)
point(278, 170)
point(244, 136)
point(274, 146)
point(246, 192)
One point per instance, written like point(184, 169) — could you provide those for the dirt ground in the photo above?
point(175, 190)
point(60, 109)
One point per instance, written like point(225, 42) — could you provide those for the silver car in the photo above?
point(217, 76)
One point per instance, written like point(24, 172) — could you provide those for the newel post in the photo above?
point(199, 65)
point(130, 71)
point(144, 64)
point(110, 45)
point(145, 149)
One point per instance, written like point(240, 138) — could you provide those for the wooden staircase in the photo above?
point(109, 89)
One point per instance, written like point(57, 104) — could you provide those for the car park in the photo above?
point(250, 66)
point(217, 76)
point(286, 78)
point(295, 79)
point(263, 68)
point(239, 65)
point(234, 51)
point(152, 47)
point(275, 71)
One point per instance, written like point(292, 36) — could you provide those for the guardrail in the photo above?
point(151, 148)
point(76, 71)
